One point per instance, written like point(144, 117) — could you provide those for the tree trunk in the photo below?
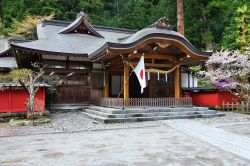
point(180, 17)
point(31, 97)
point(244, 31)
point(207, 40)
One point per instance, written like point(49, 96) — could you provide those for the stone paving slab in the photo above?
point(231, 142)
point(160, 145)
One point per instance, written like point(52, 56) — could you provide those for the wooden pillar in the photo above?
point(106, 84)
point(180, 17)
point(126, 82)
point(177, 89)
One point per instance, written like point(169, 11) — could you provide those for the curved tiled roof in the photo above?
point(151, 33)
point(4, 46)
point(72, 44)
point(56, 37)
point(80, 21)
point(7, 62)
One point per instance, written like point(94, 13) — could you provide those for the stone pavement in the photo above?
point(231, 142)
point(160, 145)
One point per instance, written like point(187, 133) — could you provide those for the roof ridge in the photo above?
point(80, 25)
point(98, 27)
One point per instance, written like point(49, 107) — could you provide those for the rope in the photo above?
point(124, 84)
point(146, 70)
point(152, 70)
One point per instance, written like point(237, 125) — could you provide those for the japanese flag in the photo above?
point(140, 73)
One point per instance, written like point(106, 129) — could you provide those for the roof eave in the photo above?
point(47, 52)
point(8, 50)
point(132, 45)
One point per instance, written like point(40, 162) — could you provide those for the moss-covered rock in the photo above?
point(26, 122)
point(6, 117)
point(19, 122)
point(40, 121)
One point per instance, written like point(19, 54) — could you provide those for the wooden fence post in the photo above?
point(242, 106)
point(223, 105)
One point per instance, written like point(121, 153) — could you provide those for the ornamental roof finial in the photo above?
point(162, 23)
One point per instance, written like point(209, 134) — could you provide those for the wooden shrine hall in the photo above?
point(96, 61)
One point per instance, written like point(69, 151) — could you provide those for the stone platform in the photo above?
point(113, 115)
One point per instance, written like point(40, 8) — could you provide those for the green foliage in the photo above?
point(204, 82)
point(27, 27)
point(237, 35)
point(209, 24)
point(196, 68)
point(54, 81)
point(14, 75)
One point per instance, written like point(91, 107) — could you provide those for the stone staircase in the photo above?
point(69, 107)
point(112, 115)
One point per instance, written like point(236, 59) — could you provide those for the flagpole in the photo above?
point(124, 84)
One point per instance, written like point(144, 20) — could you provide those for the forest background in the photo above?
point(209, 24)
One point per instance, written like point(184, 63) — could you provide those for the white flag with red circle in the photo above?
point(140, 73)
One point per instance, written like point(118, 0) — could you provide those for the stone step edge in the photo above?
point(153, 114)
point(112, 111)
point(139, 119)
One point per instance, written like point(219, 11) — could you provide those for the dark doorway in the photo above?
point(116, 85)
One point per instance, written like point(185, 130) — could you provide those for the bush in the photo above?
point(14, 75)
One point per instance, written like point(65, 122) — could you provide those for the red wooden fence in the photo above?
point(13, 99)
point(212, 98)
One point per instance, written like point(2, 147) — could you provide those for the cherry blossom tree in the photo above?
point(230, 71)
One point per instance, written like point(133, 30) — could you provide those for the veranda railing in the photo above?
point(145, 102)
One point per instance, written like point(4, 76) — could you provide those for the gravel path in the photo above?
point(233, 122)
point(77, 121)
point(69, 122)
point(230, 117)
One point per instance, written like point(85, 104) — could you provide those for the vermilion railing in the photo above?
point(145, 102)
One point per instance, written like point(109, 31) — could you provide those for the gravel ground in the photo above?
point(230, 117)
point(69, 122)
point(232, 122)
point(77, 121)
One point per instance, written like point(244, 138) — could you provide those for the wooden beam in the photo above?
point(126, 82)
point(177, 90)
point(154, 64)
point(153, 56)
point(66, 71)
point(106, 84)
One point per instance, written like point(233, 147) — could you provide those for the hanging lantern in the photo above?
point(166, 77)
point(148, 76)
point(158, 76)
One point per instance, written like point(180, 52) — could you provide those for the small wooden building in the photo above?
point(97, 61)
